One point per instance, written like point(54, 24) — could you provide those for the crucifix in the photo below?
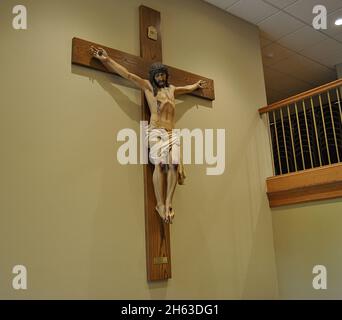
point(157, 232)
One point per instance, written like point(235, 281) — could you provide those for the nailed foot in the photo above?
point(169, 215)
point(161, 211)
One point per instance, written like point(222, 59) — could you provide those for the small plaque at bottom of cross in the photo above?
point(160, 260)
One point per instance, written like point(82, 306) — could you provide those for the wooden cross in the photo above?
point(157, 233)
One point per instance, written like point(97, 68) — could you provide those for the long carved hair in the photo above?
point(156, 68)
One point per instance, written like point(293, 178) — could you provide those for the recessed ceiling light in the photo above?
point(338, 22)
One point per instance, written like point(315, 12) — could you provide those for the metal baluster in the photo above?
point(282, 124)
point(314, 117)
point(300, 135)
point(339, 102)
point(270, 140)
point(307, 133)
point(293, 149)
point(276, 132)
point(325, 132)
point(333, 125)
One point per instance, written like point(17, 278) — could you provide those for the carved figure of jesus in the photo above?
point(160, 96)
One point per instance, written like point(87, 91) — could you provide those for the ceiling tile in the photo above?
point(274, 91)
point(305, 69)
point(302, 38)
point(302, 9)
point(280, 3)
point(332, 28)
point(223, 4)
point(279, 25)
point(252, 11)
point(338, 37)
point(264, 42)
point(324, 80)
point(327, 52)
point(284, 83)
point(339, 71)
point(273, 53)
point(265, 35)
point(296, 57)
point(274, 96)
point(295, 90)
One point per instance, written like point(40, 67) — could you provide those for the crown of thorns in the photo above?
point(158, 67)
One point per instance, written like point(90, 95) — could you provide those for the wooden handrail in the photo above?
point(301, 96)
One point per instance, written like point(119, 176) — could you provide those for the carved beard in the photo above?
point(161, 83)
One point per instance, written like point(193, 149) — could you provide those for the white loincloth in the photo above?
point(163, 143)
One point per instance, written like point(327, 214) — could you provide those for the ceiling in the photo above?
point(296, 57)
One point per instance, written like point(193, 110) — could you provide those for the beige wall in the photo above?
point(71, 214)
point(308, 235)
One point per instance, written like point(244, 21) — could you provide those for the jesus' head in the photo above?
point(159, 76)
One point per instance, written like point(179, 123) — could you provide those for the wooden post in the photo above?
point(158, 252)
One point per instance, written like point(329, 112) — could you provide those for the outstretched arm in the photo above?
point(112, 65)
point(190, 88)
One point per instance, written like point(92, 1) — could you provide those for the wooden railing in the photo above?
point(305, 134)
